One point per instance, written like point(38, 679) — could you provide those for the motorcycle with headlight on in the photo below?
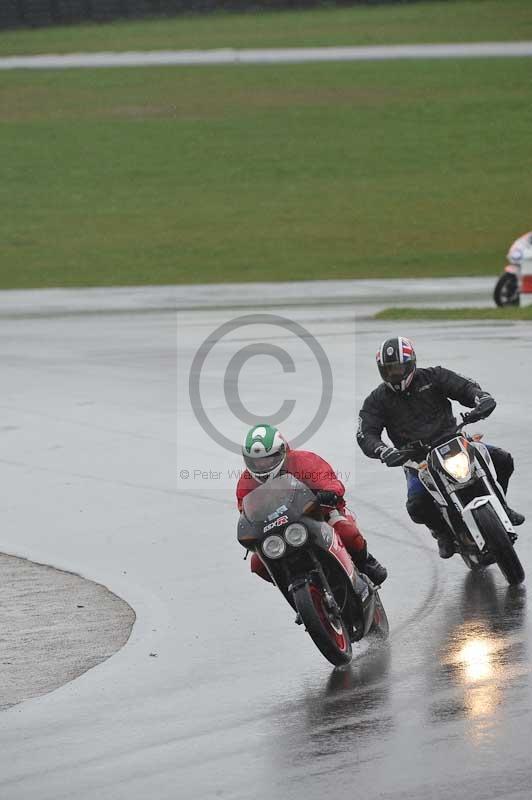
point(460, 476)
point(282, 522)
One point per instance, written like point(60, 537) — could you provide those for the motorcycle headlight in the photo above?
point(274, 547)
point(458, 466)
point(296, 534)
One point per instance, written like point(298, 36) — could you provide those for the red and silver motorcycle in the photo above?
point(282, 522)
point(517, 276)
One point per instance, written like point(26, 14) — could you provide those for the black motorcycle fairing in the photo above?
point(272, 506)
point(269, 509)
point(271, 499)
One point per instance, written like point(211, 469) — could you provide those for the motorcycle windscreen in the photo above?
point(276, 496)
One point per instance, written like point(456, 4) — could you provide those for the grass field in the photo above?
point(474, 20)
point(435, 314)
point(274, 172)
point(229, 174)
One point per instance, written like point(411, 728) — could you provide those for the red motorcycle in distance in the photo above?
point(517, 276)
point(282, 522)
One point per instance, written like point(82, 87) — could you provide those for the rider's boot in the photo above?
point(514, 516)
point(446, 545)
point(369, 565)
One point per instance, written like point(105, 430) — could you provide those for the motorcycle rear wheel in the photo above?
point(328, 634)
point(506, 291)
point(499, 544)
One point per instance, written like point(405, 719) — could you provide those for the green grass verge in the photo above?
point(434, 314)
point(473, 20)
point(263, 173)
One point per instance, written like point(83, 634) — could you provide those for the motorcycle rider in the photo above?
point(517, 276)
point(267, 454)
point(413, 404)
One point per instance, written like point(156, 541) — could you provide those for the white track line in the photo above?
point(275, 56)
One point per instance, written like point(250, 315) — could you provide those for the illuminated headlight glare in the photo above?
point(274, 547)
point(458, 466)
point(296, 534)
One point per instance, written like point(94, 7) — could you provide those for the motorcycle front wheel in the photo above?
point(506, 291)
point(499, 544)
point(328, 633)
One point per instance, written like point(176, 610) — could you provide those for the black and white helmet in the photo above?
point(396, 360)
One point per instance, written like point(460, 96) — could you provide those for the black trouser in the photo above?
point(422, 508)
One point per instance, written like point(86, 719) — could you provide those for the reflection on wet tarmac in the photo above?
point(483, 654)
point(475, 658)
point(348, 713)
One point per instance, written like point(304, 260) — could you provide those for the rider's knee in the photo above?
point(350, 534)
point(416, 508)
point(503, 463)
point(508, 462)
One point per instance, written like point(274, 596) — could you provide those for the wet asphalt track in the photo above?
point(237, 703)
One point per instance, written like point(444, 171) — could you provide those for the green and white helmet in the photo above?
point(264, 452)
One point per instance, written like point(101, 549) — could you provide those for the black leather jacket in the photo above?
point(423, 412)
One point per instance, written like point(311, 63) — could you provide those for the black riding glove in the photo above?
point(484, 406)
point(329, 499)
point(391, 457)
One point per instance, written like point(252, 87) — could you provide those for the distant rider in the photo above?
point(413, 404)
point(266, 455)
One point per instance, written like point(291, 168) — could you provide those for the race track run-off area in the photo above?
point(217, 693)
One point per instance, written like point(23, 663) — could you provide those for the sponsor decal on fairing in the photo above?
point(276, 513)
point(275, 524)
